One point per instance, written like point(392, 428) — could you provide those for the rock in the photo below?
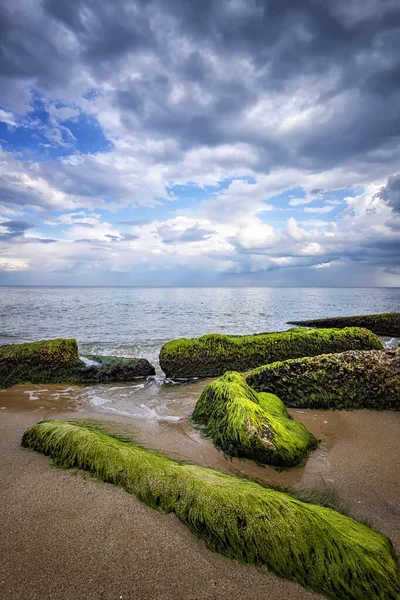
point(320, 548)
point(57, 361)
point(115, 368)
point(348, 380)
point(214, 354)
point(381, 324)
point(246, 424)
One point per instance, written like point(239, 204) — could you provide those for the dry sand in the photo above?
point(68, 537)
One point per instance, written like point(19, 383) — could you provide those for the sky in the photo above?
point(200, 142)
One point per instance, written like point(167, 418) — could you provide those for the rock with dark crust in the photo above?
point(214, 354)
point(347, 380)
point(381, 324)
point(57, 361)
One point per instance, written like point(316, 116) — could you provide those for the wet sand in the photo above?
point(67, 536)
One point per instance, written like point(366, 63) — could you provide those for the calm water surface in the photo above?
point(137, 321)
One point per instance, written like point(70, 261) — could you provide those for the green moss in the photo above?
point(348, 380)
point(246, 424)
point(318, 547)
point(214, 354)
point(49, 361)
point(381, 324)
point(57, 361)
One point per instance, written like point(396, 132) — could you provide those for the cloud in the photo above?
point(13, 229)
point(390, 193)
point(196, 233)
point(257, 109)
point(319, 209)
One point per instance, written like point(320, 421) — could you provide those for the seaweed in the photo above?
point(381, 324)
point(347, 380)
point(214, 354)
point(315, 546)
point(57, 361)
point(246, 424)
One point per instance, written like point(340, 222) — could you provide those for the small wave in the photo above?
point(159, 380)
point(88, 362)
point(98, 400)
point(391, 344)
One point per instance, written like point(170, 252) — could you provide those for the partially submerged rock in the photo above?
point(318, 547)
point(246, 424)
point(214, 354)
point(115, 368)
point(381, 324)
point(57, 361)
point(349, 380)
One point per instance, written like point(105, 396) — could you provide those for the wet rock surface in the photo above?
point(57, 361)
point(347, 380)
point(381, 324)
point(214, 354)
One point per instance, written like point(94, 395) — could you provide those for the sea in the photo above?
point(136, 322)
point(131, 321)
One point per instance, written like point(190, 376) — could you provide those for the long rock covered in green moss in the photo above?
point(57, 361)
point(381, 324)
point(318, 547)
point(246, 424)
point(348, 380)
point(214, 354)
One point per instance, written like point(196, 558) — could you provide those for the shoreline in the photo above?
point(67, 535)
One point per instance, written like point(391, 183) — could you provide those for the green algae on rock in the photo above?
point(348, 380)
point(381, 324)
point(252, 425)
point(214, 354)
point(57, 361)
point(318, 547)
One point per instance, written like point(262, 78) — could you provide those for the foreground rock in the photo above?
point(349, 380)
point(57, 361)
point(214, 354)
point(252, 425)
point(381, 324)
point(318, 547)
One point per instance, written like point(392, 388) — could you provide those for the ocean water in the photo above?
point(138, 321)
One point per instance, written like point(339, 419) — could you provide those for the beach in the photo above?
point(65, 535)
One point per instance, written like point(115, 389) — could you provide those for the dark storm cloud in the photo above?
point(391, 192)
point(278, 40)
point(15, 229)
point(170, 235)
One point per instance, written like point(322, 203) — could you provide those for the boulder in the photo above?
point(252, 425)
point(320, 548)
point(347, 380)
point(57, 361)
point(381, 324)
point(214, 354)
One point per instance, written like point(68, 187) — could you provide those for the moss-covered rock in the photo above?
point(318, 547)
point(348, 380)
point(57, 361)
point(214, 354)
point(246, 424)
point(115, 368)
point(381, 324)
